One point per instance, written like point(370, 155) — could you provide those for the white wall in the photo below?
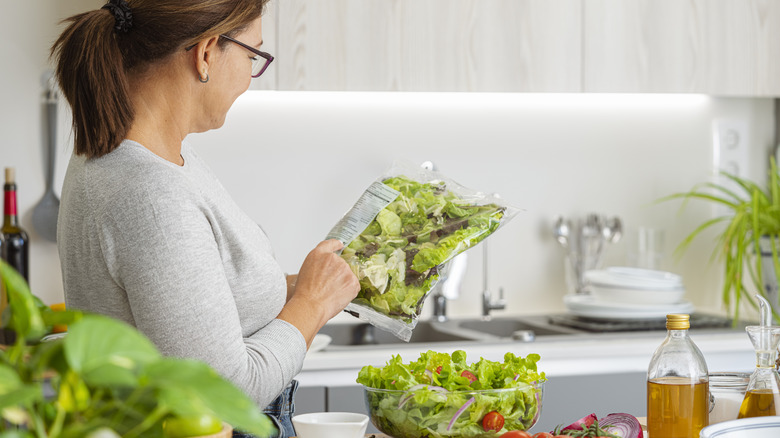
point(27, 31)
point(297, 161)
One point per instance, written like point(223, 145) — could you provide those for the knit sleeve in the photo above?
point(160, 248)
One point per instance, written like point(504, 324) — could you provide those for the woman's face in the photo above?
point(231, 75)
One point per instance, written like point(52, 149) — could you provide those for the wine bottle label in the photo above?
point(376, 197)
point(9, 207)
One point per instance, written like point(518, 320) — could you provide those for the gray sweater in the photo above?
point(166, 249)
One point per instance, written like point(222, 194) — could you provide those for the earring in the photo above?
point(203, 81)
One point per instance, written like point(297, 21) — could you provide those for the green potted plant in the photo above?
point(105, 379)
point(748, 243)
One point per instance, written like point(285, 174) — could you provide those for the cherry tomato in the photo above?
point(543, 435)
point(516, 434)
point(493, 421)
point(469, 375)
point(189, 426)
point(438, 369)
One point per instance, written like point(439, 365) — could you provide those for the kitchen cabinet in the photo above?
point(430, 45)
point(310, 399)
point(723, 47)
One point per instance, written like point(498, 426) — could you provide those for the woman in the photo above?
point(146, 233)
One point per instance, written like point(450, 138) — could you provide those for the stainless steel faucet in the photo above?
point(488, 303)
point(439, 307)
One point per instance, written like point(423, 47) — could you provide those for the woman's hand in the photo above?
point(323, 288)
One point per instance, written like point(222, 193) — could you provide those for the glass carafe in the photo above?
point(763, 392)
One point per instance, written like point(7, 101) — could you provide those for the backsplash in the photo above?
point(296, 161)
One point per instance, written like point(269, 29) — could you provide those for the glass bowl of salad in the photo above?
point(442, 396)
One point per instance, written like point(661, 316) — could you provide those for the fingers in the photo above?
point(330, 245)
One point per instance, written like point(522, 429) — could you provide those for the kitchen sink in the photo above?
point(469, 330)
point(368, 335)
point(515, 328)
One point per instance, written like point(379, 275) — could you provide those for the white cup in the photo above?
point(330, 425)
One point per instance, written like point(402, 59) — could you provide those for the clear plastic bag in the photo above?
point(401, 233)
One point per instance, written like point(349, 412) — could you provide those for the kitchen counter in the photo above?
point(723, 349)
point(586, 373)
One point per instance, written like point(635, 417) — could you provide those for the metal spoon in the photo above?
point(44, 216)
point(561, 231)
point(613, 230)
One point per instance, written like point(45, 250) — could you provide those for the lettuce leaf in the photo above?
point(416, 410)
point(397, 258)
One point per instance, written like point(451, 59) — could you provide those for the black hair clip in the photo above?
point(123, 16)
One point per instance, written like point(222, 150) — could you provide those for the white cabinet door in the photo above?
point(429, 45)
point(719, 47)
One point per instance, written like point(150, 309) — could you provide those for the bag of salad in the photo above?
point(400, 235)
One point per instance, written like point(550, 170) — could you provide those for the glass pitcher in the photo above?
point(763, 392)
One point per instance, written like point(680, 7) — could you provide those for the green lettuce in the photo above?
point(431, 390)
point(397, 258)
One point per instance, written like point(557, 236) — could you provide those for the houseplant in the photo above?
point(750, 232)
point(104, 379)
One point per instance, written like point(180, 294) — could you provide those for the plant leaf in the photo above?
point(9, 380)
point(16, 434)
point(21, 396)
point(26, 318)
point(106, 351)
point(212, 394)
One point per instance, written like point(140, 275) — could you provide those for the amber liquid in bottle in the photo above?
point(759, 403)
point(677, 408)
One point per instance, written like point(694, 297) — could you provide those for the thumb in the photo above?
point(330, 245)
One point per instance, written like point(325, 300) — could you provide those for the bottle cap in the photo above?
point(9, 175)
point(678, 321)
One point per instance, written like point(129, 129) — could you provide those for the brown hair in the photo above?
point(93, 59)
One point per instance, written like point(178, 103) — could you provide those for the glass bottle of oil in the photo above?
point(678, 398)
point(763, 392)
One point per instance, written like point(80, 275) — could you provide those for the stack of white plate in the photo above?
point(630, 293)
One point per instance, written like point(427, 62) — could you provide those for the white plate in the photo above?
point(758, 427)
point(587, 306)
point(626, 295)
point(635, 278)
point(319, 342)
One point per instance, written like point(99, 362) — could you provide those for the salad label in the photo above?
point(376, 197)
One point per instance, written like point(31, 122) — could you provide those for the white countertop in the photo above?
point(724, 350)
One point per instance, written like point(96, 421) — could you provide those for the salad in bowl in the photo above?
point(441, 395)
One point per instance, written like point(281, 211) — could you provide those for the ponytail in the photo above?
point(99, 49)
point(93, 78)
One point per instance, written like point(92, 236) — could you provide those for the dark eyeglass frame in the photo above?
point(267, 56)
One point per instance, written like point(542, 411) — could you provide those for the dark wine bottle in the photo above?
point(5, 335)
point(15, 249)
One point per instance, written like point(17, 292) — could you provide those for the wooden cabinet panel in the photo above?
point(270, 19)
point(719, 47)
point(429, 45)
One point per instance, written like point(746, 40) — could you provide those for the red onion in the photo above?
point(624, 425)
point(460, 411)
point(577, 425)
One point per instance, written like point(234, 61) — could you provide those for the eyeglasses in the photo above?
point(258, 65)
